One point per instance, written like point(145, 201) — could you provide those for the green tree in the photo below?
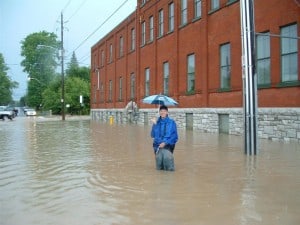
point(6, 84)
point(77, 82)
point(72, 65)
point(75, 87)
point(40, 52)
point(52, 96)
point(74, 70)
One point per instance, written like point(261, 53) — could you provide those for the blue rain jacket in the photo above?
point(165, 130)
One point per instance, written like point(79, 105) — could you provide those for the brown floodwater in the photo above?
point(85, 172)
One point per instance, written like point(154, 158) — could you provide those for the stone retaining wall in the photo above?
point(273, 123)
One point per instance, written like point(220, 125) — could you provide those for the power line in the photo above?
point(68, 3)
point(84, 1)
point(59, 15)
point(83, 58)
point(100, 26)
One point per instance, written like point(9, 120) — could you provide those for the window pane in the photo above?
point(183, 12)
point(132, 39)
point(225, 56)
point(263, 46)
point(225, 70)
point(147, 82)
point(289, 45)
point(215, 4)
point(290, 67)
point(171, 17)
point(120, 88)
point(166, 78)
point(161, 23)
point(263, 71)
point(132, 86)
point(121, 46)
point(191, 73)
point(197, 8)
point(110, 90)
point(225, 77)
point(110, 52)
point(102, 58)
point(263, 59)
point(143, 33)
point(151, 29)
point(191, 63)
point(289, 53)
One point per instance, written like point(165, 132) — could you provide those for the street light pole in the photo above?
point(249, 77)
point(62, 71)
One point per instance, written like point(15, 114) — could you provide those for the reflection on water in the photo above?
point(84, 172)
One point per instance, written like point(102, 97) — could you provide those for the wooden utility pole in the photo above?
point(62, 70)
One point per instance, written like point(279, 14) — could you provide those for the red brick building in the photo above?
point(191, 50)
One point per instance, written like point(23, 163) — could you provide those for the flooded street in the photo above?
point(85, 172)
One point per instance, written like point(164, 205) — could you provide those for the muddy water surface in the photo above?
point(86, 172)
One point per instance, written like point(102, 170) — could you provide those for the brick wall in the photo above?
point(202, 37)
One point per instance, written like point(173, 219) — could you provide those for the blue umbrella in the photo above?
point(159, 100)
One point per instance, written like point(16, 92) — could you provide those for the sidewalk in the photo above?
point(67, 117)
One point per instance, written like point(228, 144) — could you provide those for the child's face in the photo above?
point(163, 113)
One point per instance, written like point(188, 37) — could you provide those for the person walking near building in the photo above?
point(165, 136)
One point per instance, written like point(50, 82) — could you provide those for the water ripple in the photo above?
point(82, 172)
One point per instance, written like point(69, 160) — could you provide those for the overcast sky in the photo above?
point(19, 18)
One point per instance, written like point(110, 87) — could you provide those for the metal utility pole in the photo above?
point(62, 70)
point(249, 76)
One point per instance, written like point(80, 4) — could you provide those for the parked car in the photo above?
point(30, 112)
point(6, 112)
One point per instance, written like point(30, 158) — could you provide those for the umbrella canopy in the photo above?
point(159, 100)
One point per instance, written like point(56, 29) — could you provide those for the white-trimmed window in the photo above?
point(132, 86)
point(102, 92)
point(151, 29)
point(132, 45)
point(214, 4)
point(121, 46)
point(110, 91)
point(171, 17)
point(289, 53)
point(263, 59)
point(160, 23)
point(225, 65)
point(95, 94)
point(120, 88)
point(110, 53)
point(147, 81)
point(102, 58)
point(143, 33)
point(98, 78)
point(191, 73)
point(197, 8)
point(184, 13)
point(166, 78)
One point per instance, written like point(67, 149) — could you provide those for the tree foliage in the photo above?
point(40, 52)
point(76, 86)
point(52, 96)
point(6, 84)
point(74, 70)
point(45, 87)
